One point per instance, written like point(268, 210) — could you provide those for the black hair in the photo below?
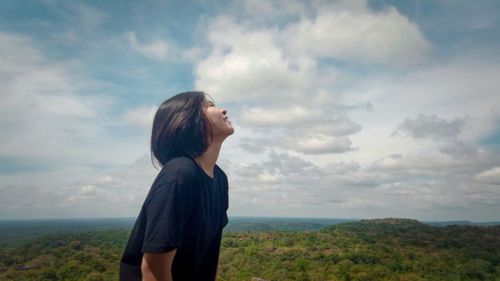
point(180, 127)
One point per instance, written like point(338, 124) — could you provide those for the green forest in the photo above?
point(381, 249)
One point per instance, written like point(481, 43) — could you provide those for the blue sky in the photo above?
point(342, 109)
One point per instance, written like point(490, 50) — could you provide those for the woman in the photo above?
point(178, 232)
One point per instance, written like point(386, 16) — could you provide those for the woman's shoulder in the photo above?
point(181, 162)
point(179, 170)
point(218, 171)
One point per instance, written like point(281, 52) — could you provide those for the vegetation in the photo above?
point(15, 232)
point(387, 249)
point(87, 256)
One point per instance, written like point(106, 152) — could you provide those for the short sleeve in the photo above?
point(167, 212)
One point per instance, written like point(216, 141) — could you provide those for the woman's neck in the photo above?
point(208, 158)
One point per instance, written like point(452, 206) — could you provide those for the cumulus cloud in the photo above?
point(491, 176)
point(460, 150)
point(265, 10)
point(247, 64)
point(283, 164)
point(395, 184)
point(77, 191)
point(313, 144)
point(276, 66)
point(27, 78)
point(267, 178)
point(193, 54)
point(85, 193)
point(279, 178)
point(297, 128)
point(41, 111)
point(90, 17)
point(277, 116)
point(326, 125)
point(341, 168)
point(48, 117)
point(391, 162)
point(306, 130)
point(456, 100)
point(155, 50)
point(300, 120)
point(351, 31)
point(431, 126)
point(253, 145)
point(298, 185)
point(142, 116)
point(301, 184)
point(319, 144)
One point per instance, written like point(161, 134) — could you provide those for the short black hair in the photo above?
point(180, 127)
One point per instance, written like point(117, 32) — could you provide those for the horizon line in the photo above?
point(249, 217)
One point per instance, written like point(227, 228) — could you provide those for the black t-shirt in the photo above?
point(184, 210)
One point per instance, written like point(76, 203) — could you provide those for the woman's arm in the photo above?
point(157, 266)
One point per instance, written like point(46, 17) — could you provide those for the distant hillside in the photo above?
point(259, 224)
point(446, 223)
point(386, 224)
point(13, 232)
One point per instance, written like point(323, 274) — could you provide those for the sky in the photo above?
point(342, 109)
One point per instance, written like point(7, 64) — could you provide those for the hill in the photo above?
point(259, 224)
point(380, 249)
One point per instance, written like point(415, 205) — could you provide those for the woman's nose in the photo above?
point(224, 111)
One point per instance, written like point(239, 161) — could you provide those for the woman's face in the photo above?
point(219, 122)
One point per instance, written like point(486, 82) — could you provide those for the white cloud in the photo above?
point(270, 66)
point(319, 144)
point(259, 7)
point(327, 125)
point(193, 54)
point(299, 120)
point(88, 190)
point(276, 116)
point(353, 32)
point(267, 178)
point(49, 117)
point(460, 150)
point(431, 126)
point(77, 191)
point(433, 164)
point(158, 49)
point(341, 168)
point(462, 95)
point(85, 193)
point(39, 106)
point(392, 162)
point(491, 176)
point(247, 65)
point(142, 116)
point(262, 10)
point(90, 17)
point(396, 185)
